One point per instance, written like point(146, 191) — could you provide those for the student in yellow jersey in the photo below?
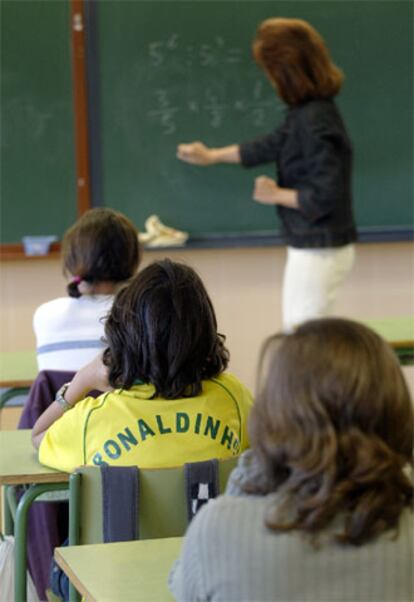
point(168, 400)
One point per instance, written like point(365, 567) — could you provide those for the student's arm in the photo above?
point(268, 192)
point(90, 377)
point(198, 153)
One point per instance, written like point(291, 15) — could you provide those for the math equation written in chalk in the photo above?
point(216, 80)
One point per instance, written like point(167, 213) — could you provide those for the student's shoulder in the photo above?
point(63, 303)
point(52, 311)
point(55, 304)
point(227, 509)
point(233, 384)
point(63, 307)
point(90, 404)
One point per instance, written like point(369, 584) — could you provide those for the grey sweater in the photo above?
point(229, 555)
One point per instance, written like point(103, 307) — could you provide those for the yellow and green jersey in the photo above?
point(129, 428)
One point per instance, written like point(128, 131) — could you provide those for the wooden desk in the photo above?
point(133, 570)
point(17, 368)
point(399, 332)
point(19, 466)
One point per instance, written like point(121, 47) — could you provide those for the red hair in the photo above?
point(295, 58)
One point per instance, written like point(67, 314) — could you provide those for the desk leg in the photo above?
point(10, 505)
point(20, 568)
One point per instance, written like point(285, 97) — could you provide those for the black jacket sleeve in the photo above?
point(326, 151)
point(261, 150)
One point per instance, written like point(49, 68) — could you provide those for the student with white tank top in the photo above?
point(100, 252)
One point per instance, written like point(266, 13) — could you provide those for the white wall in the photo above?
point(244, 285)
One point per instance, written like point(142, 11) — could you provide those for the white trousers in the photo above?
point(311, 282)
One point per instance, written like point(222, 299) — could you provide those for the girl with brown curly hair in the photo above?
point(313, 157)
point(321, 505)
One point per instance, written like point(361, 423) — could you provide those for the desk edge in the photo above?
point(72, 576)
point(34, 479)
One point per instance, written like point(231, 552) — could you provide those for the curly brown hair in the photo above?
point(333, 430)
point(295, 58)
point(162, 329)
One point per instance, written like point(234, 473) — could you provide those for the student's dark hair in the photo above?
point(162, 330)
point(332, 428)
point(295, 57)
point(102, 246)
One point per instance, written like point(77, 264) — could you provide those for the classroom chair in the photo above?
point(165, 499)
point(111, 503)
point(9, 393)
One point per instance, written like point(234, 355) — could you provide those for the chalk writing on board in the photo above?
point(203, 54)
point(213, 108)
point(164, 111)
point(156, 54)
point(217, 101)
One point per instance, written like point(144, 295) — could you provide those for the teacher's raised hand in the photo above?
point(195, 153)
point(198, 153)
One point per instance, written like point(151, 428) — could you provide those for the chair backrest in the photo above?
point(42, 393)
point(162, 502)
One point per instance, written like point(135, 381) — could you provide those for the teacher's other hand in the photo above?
point(195, 153)
point(265, 190)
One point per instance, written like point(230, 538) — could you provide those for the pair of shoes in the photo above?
point(158, 234)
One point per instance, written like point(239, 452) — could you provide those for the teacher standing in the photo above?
point(313, 157)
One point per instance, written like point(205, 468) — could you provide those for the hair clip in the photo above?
point(77, 280)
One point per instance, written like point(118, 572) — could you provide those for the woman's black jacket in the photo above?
point(313, 155)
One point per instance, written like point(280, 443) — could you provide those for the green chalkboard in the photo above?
point(175, 71)
point(37, 162)
point(164, 72)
